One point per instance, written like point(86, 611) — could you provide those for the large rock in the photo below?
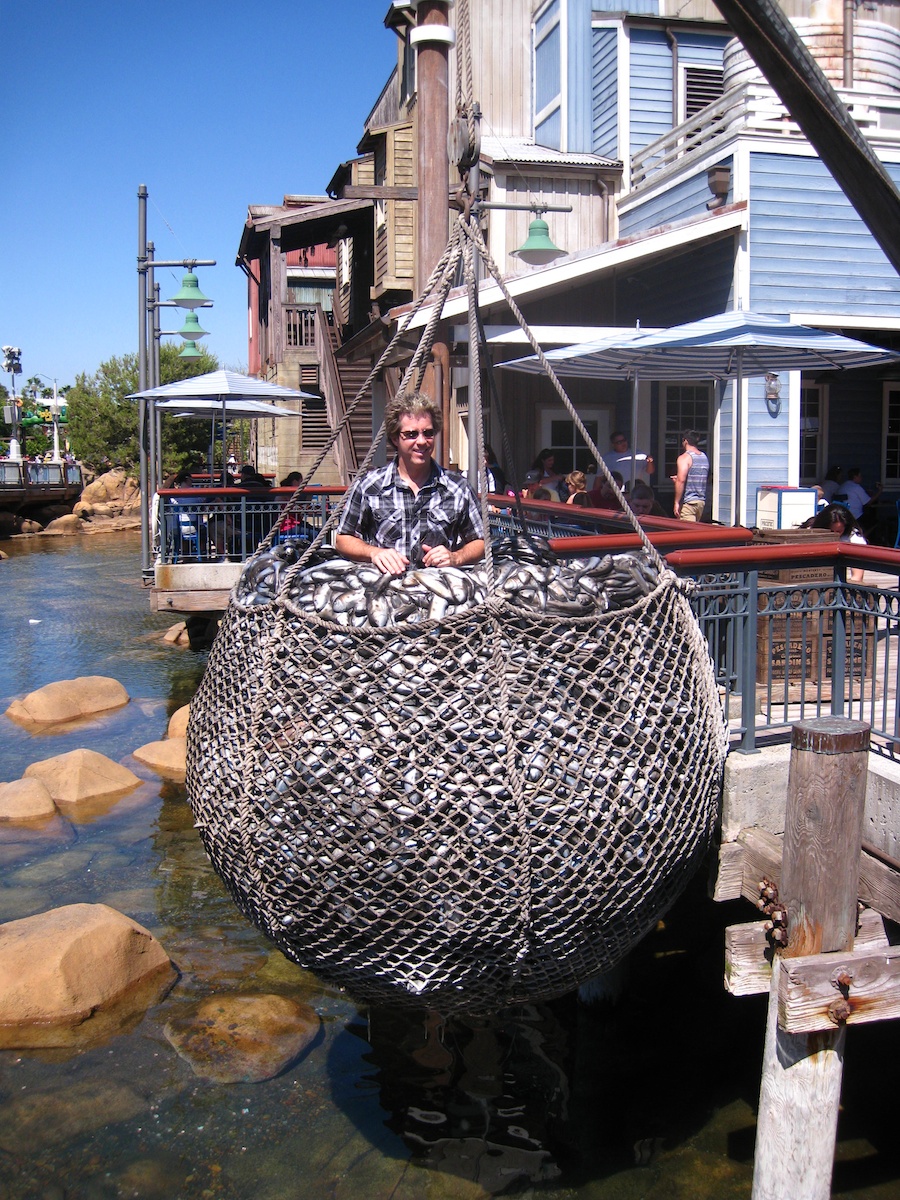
point(242, 1038)
point(178, 722)
point(69, 699)
point(64, 969)
point(82, 775)
point(166, 758)
point(114, 490)
point(25, 800)
point(68, 524)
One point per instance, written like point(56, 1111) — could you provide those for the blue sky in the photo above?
point(212, 107)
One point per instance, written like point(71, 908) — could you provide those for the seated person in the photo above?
point(251, 478)
point(838, 518)
point(643, 501)
point(603, 496)
point(577, 485)
point(294, 480)
point(542, 493)
point(411, 511)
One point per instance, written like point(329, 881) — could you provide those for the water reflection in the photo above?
point(475, 1097)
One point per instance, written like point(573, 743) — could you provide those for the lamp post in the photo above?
point(190, 297)
point(12, 364)
point(54, 414)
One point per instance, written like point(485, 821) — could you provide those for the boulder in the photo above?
point(3, 555)
point(68, 524)
point(177, 634)
point(243, 1038)
point(25, 800)
point(166, 758)
point(62, 969)
point(82, 775)
point(83, 509)
point(69, 699)
point(178, 722)
point(26, 526)
point(115, 490)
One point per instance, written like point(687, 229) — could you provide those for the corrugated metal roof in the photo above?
point(525, 150)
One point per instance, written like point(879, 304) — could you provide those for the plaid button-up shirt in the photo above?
point(382, 509)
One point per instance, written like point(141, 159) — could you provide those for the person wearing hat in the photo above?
point(531, 483)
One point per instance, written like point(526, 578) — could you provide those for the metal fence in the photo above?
point(782, 650)
point(228, 527)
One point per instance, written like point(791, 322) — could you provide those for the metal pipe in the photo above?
point(848, 42)
point(142, 376)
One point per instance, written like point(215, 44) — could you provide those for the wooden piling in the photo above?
point(801, 1078)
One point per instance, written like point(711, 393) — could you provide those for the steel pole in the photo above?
point(142, 378)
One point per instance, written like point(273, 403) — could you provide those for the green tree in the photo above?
point(103, 422)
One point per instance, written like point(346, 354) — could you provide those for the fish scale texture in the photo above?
point(465, 812)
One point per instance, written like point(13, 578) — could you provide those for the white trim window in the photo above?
point(558, 433)
point(698, 85)
point(547, 69)
point(812, 433)
point(684, 406)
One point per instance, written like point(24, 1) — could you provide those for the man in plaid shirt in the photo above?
point(411, 511)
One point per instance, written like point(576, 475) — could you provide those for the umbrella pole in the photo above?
point(738, 472)
point(634, 425)
point(224, 467)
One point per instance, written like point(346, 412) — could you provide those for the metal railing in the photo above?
point(228, 524)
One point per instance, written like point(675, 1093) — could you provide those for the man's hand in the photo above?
point(389, 562)
point(437, 556)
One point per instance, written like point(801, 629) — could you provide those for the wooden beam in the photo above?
point(824, 991)
point(756, 854)
point(211, 601)
point(748, 952)
point(375, 191)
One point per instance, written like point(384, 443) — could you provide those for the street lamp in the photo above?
point(54, 407)
point(12, 364)
point(149, 333)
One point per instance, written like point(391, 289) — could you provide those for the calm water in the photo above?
point(654, 1100)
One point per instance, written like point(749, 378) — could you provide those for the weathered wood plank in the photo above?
point(379, 192)
point(748, 954)
point(213, 600)
point(756, 854)
point(822, 991)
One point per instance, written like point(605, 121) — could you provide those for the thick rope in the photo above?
point(475, 234)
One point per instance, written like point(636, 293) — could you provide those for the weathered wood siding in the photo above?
point(605, 91)
point(809, 250)
point(580, 229)
point(501, 64)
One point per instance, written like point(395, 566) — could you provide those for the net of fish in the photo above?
point(433, 790)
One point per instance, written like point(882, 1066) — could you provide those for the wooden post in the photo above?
point(801, 1079)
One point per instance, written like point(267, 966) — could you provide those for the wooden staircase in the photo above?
point(341, 381)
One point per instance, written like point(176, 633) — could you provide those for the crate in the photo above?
point(791, 653)
point(814, 573)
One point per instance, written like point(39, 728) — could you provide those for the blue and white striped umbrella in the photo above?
point(729, 346)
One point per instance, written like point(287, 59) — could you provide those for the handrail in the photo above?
point(333, 391)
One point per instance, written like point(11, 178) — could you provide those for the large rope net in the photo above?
point(460, 787)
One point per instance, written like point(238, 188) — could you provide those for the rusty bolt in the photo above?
point(844, 981)
point(839, 1010)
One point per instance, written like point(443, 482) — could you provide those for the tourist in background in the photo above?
point(690, 479)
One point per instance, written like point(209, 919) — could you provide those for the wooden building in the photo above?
point(691, 191)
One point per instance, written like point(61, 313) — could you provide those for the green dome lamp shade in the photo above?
point(190, 350)
point(190, 330)
point(537, 249)
point(189, 294)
